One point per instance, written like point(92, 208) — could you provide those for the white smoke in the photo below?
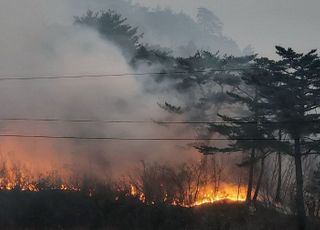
point(38, 38)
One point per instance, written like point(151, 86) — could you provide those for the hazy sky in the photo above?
point(262, 23)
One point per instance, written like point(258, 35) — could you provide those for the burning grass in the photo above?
point(204, 195)
point(157, 197)
point(13, 177)
point(187, 185)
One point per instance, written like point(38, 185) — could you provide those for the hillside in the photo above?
point(74, 210)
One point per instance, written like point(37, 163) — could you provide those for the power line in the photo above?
point(106, 121)
point(109, 121)
point(177, 122)
point(149, 74)
point(133, 139)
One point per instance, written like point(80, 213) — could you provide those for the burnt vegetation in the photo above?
point(74, 210)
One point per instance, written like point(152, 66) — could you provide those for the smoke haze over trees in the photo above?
point(177, 31)
point(154, 85)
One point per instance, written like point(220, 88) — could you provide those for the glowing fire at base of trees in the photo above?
point(26, 186)
point(228, 192)
point(15, 180)
point(13, 177)
point(204, 195)
point(186, 185)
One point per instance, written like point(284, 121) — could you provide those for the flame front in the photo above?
point(186, 188)
point(204, 195)
point(227, 192)
point(14, 178)
point(22, 179)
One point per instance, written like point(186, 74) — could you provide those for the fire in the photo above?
point(205, 195)
point(10, 179)
point(187, 185)
point(24, 184)
point(227, 192)
point(135, 193)
point(13, 177)
point(19, 178)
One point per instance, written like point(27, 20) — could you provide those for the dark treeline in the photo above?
point(178, 32)
point(268, 108)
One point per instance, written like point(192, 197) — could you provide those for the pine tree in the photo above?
point(113, 27)
point(248, 133)
point(290, 89)
point(313, 192)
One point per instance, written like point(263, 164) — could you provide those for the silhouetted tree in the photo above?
point(279, 178)
point(113, 27)
point(202, 82)
point(246, 133)
point(290, 87)
point(313, 193)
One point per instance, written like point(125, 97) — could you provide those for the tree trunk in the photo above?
point(299, 186)
point(279, 182)
point(256, 193)
point(250, 179)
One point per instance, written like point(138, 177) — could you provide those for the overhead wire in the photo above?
point(115, 75)
point(175, 122)
point(133, 139)
point(53, 77)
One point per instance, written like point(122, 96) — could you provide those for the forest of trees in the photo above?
point(267, 109)
point(158, 114)
point(178, 32)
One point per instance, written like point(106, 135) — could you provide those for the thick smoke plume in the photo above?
point(39, 39)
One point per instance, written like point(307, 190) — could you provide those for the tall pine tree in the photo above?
point(292, 90)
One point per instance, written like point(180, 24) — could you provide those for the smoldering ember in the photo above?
point(136, 114)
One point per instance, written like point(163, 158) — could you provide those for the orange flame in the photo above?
point(226, 191)
point(205, 195)
point(15, 178)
